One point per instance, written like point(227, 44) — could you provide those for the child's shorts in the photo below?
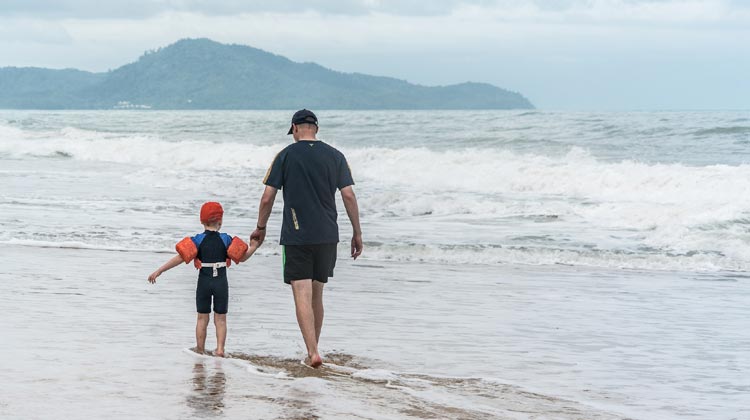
point(212, 287)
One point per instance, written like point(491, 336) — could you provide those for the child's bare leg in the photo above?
point(200, 332)
point(220, 321)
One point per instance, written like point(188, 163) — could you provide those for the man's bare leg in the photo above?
point(200, 332)
point(302, 290)
point(317, 302)
point(220, 321)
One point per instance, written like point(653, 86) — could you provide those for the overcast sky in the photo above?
point(567, 54)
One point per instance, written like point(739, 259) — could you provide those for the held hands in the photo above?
point(357, 246)
point(255, 241)
point(254, 244)
point(258, 235)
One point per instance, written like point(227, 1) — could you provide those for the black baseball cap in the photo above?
point(303, 116)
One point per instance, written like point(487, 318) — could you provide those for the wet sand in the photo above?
point(88, 337)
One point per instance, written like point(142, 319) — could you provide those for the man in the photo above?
point(309, 171)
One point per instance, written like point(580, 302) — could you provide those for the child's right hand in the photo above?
point(254, 244)
point(153, 276)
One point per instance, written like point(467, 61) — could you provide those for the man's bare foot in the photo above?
point(314, 360)
point(219, 353)
point(198, 350)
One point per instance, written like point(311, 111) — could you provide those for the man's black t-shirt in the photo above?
point(309, 172)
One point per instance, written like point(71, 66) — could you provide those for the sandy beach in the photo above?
point(98, 341)
point(93, 339)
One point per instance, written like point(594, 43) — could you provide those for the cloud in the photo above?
point(613, 11)
point(565, 30)
point(136, 9)
point(36, 31)
point(534, 10)
point(552, 50)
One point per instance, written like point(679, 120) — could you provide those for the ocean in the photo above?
point(517, 264)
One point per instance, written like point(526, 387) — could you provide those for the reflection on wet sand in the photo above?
point(292, 408)
point(413, 395)
point(207, 396)
point(295, 368)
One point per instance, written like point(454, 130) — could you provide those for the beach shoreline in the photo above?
point(100, 341)
point(93, 320)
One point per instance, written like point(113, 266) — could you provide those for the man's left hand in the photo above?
point(258, 235)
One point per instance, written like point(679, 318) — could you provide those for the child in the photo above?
point(212, 252)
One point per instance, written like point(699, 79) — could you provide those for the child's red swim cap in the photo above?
point(211, 212)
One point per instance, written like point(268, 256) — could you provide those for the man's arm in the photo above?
point(352, 210)
point(264, 212)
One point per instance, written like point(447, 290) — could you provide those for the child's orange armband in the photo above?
point(237, 249)
point(187, 250)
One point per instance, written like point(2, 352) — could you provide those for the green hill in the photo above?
point(203, 74)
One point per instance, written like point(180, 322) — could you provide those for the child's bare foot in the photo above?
point(199, 350)
point(314, 360)
point(219, 353)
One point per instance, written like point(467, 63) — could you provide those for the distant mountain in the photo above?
point(203, 74)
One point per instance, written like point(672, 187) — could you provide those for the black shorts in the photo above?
point(303, 262)
point(208, 287)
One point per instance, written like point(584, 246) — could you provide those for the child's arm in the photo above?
point(254, 244)
point(172, 263)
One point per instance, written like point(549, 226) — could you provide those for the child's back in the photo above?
point(211, 252)
point(212, 280)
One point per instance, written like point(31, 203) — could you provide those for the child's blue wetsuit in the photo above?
point(212, 247)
